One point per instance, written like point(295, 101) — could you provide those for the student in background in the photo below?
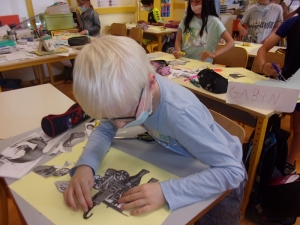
point(154, 17)
point(122, 90)
point(89, 18)
point(200, 32)
point(263, 19)
point(291, 30)
point(285, 9)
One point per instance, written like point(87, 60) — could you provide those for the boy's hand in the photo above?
point(79, 189)
point(177, 54)
point(205, 55)
point(143, 198)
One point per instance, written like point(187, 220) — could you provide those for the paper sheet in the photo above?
point(49, 201)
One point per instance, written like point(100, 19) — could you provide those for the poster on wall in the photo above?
point(107, 3)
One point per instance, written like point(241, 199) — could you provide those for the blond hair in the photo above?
point(109, 74)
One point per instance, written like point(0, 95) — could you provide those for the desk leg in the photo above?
point(260, 131)
point(3, 202)
point(50, 73)
point(159, 39)
point(40, 74)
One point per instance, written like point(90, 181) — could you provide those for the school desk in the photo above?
point(23, 109)
point(157, 31)
point(149, 152)
point(254, 117)
point(253, 48)
point(37, 62)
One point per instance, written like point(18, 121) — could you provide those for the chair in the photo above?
point(118, 29)
point(277, 58)
point(3, 202)
point(232, 127)
point(136, 34)
point(235, 57)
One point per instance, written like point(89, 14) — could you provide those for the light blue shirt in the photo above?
point(184, 125)
point(192, 44)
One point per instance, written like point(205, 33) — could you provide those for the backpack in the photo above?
point(272, 202)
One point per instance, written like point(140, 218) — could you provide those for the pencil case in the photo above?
point(53, 125)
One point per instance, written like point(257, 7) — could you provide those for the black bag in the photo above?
point(76, 41)
point(268, 202)
point(213, 82)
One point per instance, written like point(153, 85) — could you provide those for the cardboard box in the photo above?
point(59, 21)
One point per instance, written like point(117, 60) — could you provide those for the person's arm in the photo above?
point(213, 146)
point(229, 44)
point(291, 14)
point(83, 172)
point(241, 29)
point(266, 67)
point(95, 29)
point(178, 43)
point(157, 18)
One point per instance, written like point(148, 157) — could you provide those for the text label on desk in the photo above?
point(264, 97)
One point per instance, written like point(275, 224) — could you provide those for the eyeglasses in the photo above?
point(128, 118)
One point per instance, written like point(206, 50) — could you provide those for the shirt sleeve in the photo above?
point(209, 143)
point(95, 29)
point(156, 14)
point(282, 31)
point(246, 16)
point(280, 14)
point(97, 146)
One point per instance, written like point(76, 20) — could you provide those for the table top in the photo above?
point(150, 152)
point(250, 77)
point(32, 61)
point(253, 48)
point(153, 29)
point(38, 101)
point(23, 109)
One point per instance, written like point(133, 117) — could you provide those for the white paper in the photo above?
point(264, 97)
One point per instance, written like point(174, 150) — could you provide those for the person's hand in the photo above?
point(79, 189)
point(84, 32)
point(269, 70)
point(143, 198)
point(141, 21)
point(177, 54)
point(206, 54)
point(243, 32)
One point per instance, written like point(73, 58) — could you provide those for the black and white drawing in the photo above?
point(58, 171)
point(73, 139)
point(61, 185)
point(111, 187)
point(236, 75)
point(89, 127)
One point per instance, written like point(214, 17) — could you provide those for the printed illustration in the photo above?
point(58, 171)
point(191, 37)
point(236, 75)
point(20, 157)
point(112, 186)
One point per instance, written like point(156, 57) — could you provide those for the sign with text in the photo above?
point(259, 96)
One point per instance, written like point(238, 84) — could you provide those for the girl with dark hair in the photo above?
point(200, 32)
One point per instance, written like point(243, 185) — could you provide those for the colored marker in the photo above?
point(278, 71)
point(181, 53)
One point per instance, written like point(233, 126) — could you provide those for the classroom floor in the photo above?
point(14, 217)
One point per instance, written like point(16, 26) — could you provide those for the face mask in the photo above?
point(196, 9)
point(263, 8)
point(143, 115)
point(83, 9)
point(147, 9)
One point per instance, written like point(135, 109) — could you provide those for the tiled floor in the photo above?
point(14, 218)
